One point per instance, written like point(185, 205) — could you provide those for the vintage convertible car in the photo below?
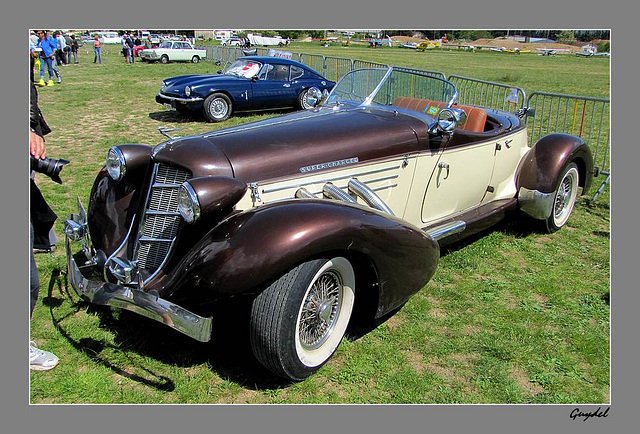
point(173, 51)
point(316, 214)
point(251, 83)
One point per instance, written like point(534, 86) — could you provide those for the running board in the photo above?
point(472, 221)
point(446, 229)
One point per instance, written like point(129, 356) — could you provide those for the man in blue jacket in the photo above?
point(48, 46)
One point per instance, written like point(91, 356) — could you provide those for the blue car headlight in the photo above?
point(187, 90)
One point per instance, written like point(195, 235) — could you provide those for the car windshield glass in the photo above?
point(166, 44)
point(385, 86)
point(243, 68)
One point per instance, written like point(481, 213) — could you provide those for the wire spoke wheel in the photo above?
point(299, 321)
point(320, 310)
point(565, 198)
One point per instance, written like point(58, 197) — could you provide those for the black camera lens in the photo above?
point(49, 166)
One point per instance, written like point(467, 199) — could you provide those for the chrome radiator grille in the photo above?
point(161, 220)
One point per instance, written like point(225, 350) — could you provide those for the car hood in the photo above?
point(298, 143)
point(196, 79)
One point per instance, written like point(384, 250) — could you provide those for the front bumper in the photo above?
point(163, 98)
point(126, 297)
point(535, 203)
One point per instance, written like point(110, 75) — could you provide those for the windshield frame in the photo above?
point(369, 99)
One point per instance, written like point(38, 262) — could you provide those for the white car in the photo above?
point(174, 51)
point(231, 41)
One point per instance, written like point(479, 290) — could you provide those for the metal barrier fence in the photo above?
point(314, 61)
point(488, 94)
point(336, 67)
point(422, 71)
point(585, 117)
point(358, 64)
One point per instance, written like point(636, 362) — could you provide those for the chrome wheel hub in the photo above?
point(563, 197)
point(218, 108)
point(320, 310)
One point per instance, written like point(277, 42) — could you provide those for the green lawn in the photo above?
point(512, 315)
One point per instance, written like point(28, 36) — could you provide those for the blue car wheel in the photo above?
point(217, 107)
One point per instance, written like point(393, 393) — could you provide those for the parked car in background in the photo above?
point(174, 51)
point(232, 42)
point(251, 83)
point(316, 215)
point(109, 37)
point(137, 50)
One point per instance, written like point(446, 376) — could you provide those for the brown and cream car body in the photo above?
point(313, 213)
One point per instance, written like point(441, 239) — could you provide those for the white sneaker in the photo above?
point(40, 360)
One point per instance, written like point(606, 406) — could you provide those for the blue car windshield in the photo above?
point(243, 68)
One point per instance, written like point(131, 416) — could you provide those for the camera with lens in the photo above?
point(49, 166)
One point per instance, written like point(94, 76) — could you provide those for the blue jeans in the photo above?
point(97, 55)
point(48, 63)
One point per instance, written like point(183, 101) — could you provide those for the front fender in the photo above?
point(249, 250)
point(112, 204)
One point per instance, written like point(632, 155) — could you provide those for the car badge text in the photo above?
point(328, 165)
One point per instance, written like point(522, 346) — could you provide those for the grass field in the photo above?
point(512, 315)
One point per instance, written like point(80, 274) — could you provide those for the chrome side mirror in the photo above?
point(313, 97)
point(449, 119)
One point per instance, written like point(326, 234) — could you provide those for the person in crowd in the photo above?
point(125, 47)
point(67, 50)
point(129, 46)
point(39, 360)
point(47, 46)
point(34, 56)
point(97, 49)
point(74, 49)
point(60, 51)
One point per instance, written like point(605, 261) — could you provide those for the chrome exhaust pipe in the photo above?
point(303, 193)
point(368, 196)
point(330, 191)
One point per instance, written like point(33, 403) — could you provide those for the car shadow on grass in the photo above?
point(228, 354)
point(172, 116)
point(177, 117)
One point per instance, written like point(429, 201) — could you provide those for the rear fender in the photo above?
point(542, 166)
point(540, 170)
point(251, 249)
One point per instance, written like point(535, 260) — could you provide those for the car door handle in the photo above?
point(443, 165)
point(286, 85)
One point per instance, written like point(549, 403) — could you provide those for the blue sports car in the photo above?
point(251, 83)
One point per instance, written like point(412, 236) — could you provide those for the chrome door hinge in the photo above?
point(255, 193)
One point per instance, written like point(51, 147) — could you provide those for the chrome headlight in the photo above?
point(116, 165)
point(188, 204)
point(448, 119)
point(187, 90)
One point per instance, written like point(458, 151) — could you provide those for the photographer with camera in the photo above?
point(42, 217)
